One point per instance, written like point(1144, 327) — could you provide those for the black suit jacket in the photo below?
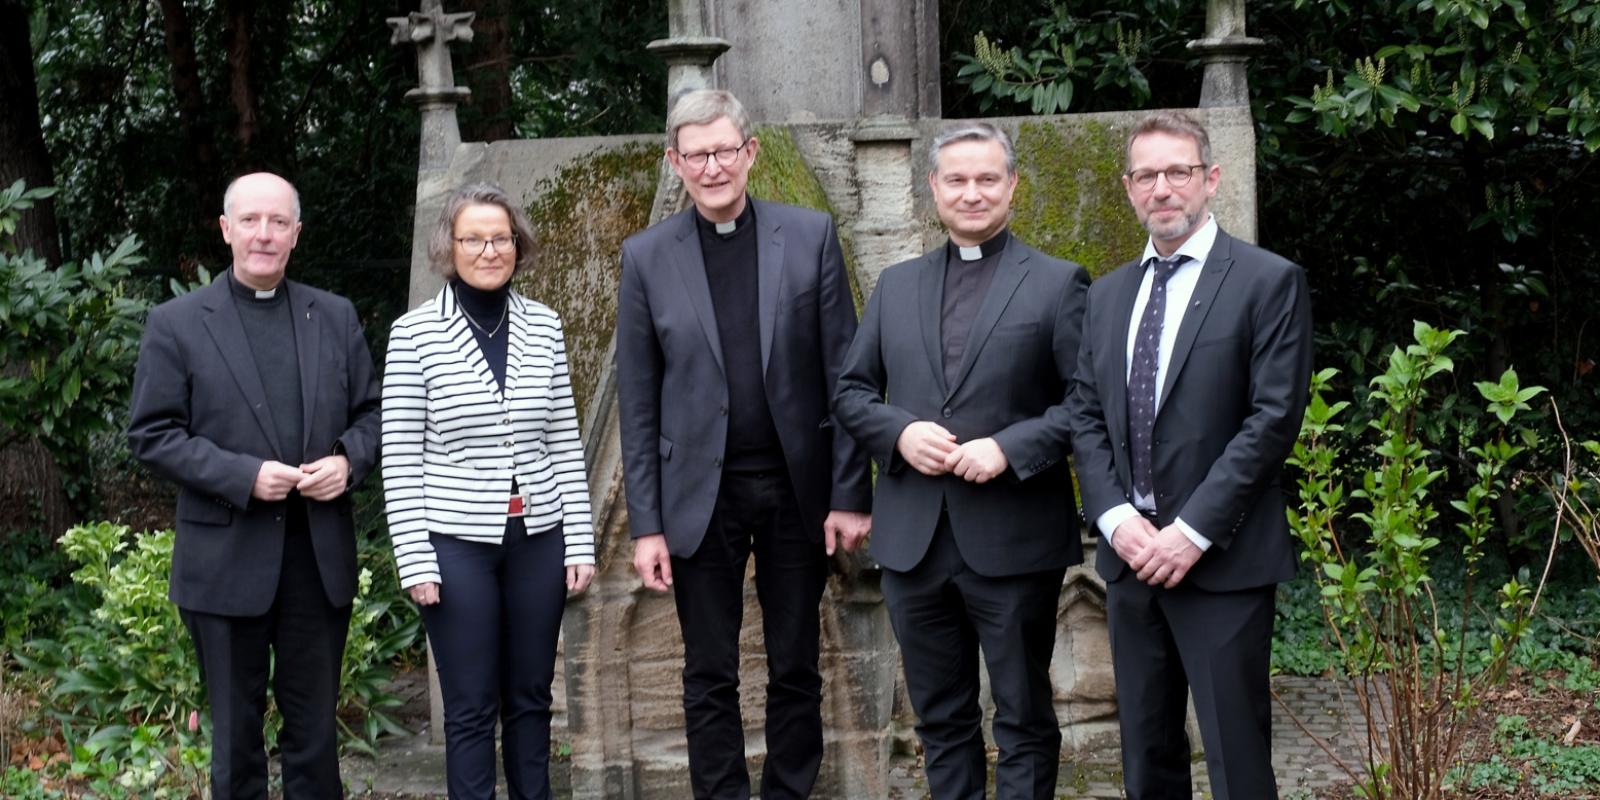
point(673, 396)
point(1011, 385)
point(1232, 399)
point(199, 419)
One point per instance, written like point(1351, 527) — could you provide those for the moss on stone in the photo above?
point(782, 175)
point(1069, 200)
point(581, 217)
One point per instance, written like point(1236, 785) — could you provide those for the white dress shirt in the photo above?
point(1180, 288)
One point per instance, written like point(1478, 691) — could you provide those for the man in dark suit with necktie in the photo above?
point(955, 384)
point(256, 395)
point(732, 322)
point(1190, 388)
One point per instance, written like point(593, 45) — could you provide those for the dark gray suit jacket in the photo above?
point(673, 396)
point(1232, 399)
point(1011, 385)
point(199, 419)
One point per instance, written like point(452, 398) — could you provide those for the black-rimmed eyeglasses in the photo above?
point(474, 246)
point(726, 156)
point(1176, 175)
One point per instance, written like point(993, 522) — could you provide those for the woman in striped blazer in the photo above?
point(485, 491)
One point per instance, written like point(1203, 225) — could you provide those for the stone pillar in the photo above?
point(432, 30)
point(1225, 51)
point(886, 168)
point(689, 52)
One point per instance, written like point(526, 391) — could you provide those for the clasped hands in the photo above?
point(932, 451)
point(1159, 557)
point(323, 479)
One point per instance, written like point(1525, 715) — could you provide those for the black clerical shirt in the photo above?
point(965, 285)
point(269, 327)
point(732, 270)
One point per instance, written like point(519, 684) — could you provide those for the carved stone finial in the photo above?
point(1225, 50)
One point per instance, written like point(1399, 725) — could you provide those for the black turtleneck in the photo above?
point(965, 285)
point(488, 309)
point(732, 271)
point(269, 327)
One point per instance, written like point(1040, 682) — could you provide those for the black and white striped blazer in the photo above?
point(452, 441)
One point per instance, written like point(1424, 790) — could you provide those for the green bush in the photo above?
point(123, 678)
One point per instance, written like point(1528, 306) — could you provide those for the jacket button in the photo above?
point(508, 444)
point(506, 421)
point(716, 461)
point(723, 410)
point(947, 412)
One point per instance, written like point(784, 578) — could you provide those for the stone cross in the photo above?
point(432, 30)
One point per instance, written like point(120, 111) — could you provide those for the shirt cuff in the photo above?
point(1193, 535)
point(1116, 515)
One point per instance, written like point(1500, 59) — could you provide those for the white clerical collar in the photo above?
point(728, 227)
point(1196, 247)
point(970, 253)
point(266, 295)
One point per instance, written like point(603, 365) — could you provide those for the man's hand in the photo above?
point(652, 561)
point(925, 445)
point(275, 480)
point(978, 461)
point(1170, 556)
point(578, 577)
point(325, 478)
point(425, 594)
point(846, 528)
point(1131, 540)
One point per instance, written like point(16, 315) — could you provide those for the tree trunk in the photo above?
point(190, 94)
point(29, 479)
point(241, 77)
point(489, 72)
point(22, 151)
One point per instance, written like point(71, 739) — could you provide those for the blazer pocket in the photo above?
point(1016, 329)
point(203, 511)
point(666, 449)
point(1217, 340)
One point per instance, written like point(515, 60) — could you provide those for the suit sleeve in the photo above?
point(858, 403)
point(1280, 373)
point(836, 309)
point(1091, 439)
point(359, 442)
point(1035, 444)
point(405, 411)
point(159, 423)
point(639, 371)
point(564, 443)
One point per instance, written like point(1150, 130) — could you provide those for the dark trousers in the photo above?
point(305, 636)
point(942, 613)
point(1165, 642)
point(493, 634)
point(755, 512)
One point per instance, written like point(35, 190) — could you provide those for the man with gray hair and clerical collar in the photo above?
point(956, 385)
point(733, 318)
point(256, 396)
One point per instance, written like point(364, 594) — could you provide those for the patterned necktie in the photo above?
point(1142, 376)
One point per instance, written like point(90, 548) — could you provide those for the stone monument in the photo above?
point(850, 139)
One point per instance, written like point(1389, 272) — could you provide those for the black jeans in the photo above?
point(493, 634)
point(756, 512)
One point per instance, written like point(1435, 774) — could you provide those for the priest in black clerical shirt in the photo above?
point(956, 384)
point(733, 319)
point(256, 396)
